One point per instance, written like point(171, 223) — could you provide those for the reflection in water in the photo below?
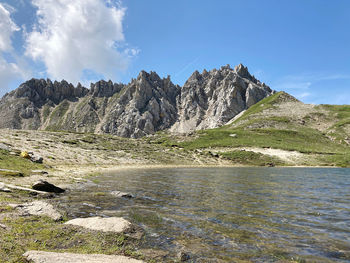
point(231, 214)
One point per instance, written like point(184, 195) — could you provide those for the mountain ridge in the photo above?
point(144, 106)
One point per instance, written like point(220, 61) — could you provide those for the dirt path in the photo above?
point(291, 157)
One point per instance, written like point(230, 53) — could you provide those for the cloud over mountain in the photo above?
point(71, 36)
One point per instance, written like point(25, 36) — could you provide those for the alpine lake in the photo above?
point(228, 214)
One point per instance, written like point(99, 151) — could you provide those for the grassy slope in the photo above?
point(17, 163)
point(256, 129)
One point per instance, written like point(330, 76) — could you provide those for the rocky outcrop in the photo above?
point(144, 106)
point(211, 99)
point(105, 89)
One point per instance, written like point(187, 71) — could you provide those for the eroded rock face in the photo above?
point(144, 106)
point(20, 109)
point(211, 99)
point(147, 105)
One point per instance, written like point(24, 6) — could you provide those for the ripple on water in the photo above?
point(228, 214)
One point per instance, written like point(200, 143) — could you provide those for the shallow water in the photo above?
point(230, 214)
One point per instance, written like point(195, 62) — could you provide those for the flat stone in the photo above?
point(52, 257)
point(122, 194)
point(38, 208)
point(110, 224)
point(3, 188)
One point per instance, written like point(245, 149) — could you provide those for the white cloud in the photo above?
point(7, 28)
point(76, 35)
point(9, 71)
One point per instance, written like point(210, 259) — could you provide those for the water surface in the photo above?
point(230, 214)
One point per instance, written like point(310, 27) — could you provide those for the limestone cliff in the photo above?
point(211, 99)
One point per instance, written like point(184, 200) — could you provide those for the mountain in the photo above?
point(144, 106)
point(213, 98)
point(283, 128)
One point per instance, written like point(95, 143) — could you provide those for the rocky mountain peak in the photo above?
point(242, 71)
point(213, 98)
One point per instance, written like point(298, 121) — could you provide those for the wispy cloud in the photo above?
point(186, 67)
point(305, 86)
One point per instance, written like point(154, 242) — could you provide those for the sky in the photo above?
point(301, 47)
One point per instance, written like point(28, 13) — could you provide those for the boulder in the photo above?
point(110, 224)
point(4, 147)
point(38, 208)
point(49, 257)
point(122, 194)
point(45, 186)
point(36, 158)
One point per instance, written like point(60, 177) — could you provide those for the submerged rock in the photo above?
point(122, 194)
point(38, 208)
point(45, 186)
point(183, 256)
point(110, 224)
point(49, 257)
point(155, 254)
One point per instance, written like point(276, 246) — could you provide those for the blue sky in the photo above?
point(302, 47)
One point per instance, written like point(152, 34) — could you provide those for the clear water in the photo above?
point(230, 214)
